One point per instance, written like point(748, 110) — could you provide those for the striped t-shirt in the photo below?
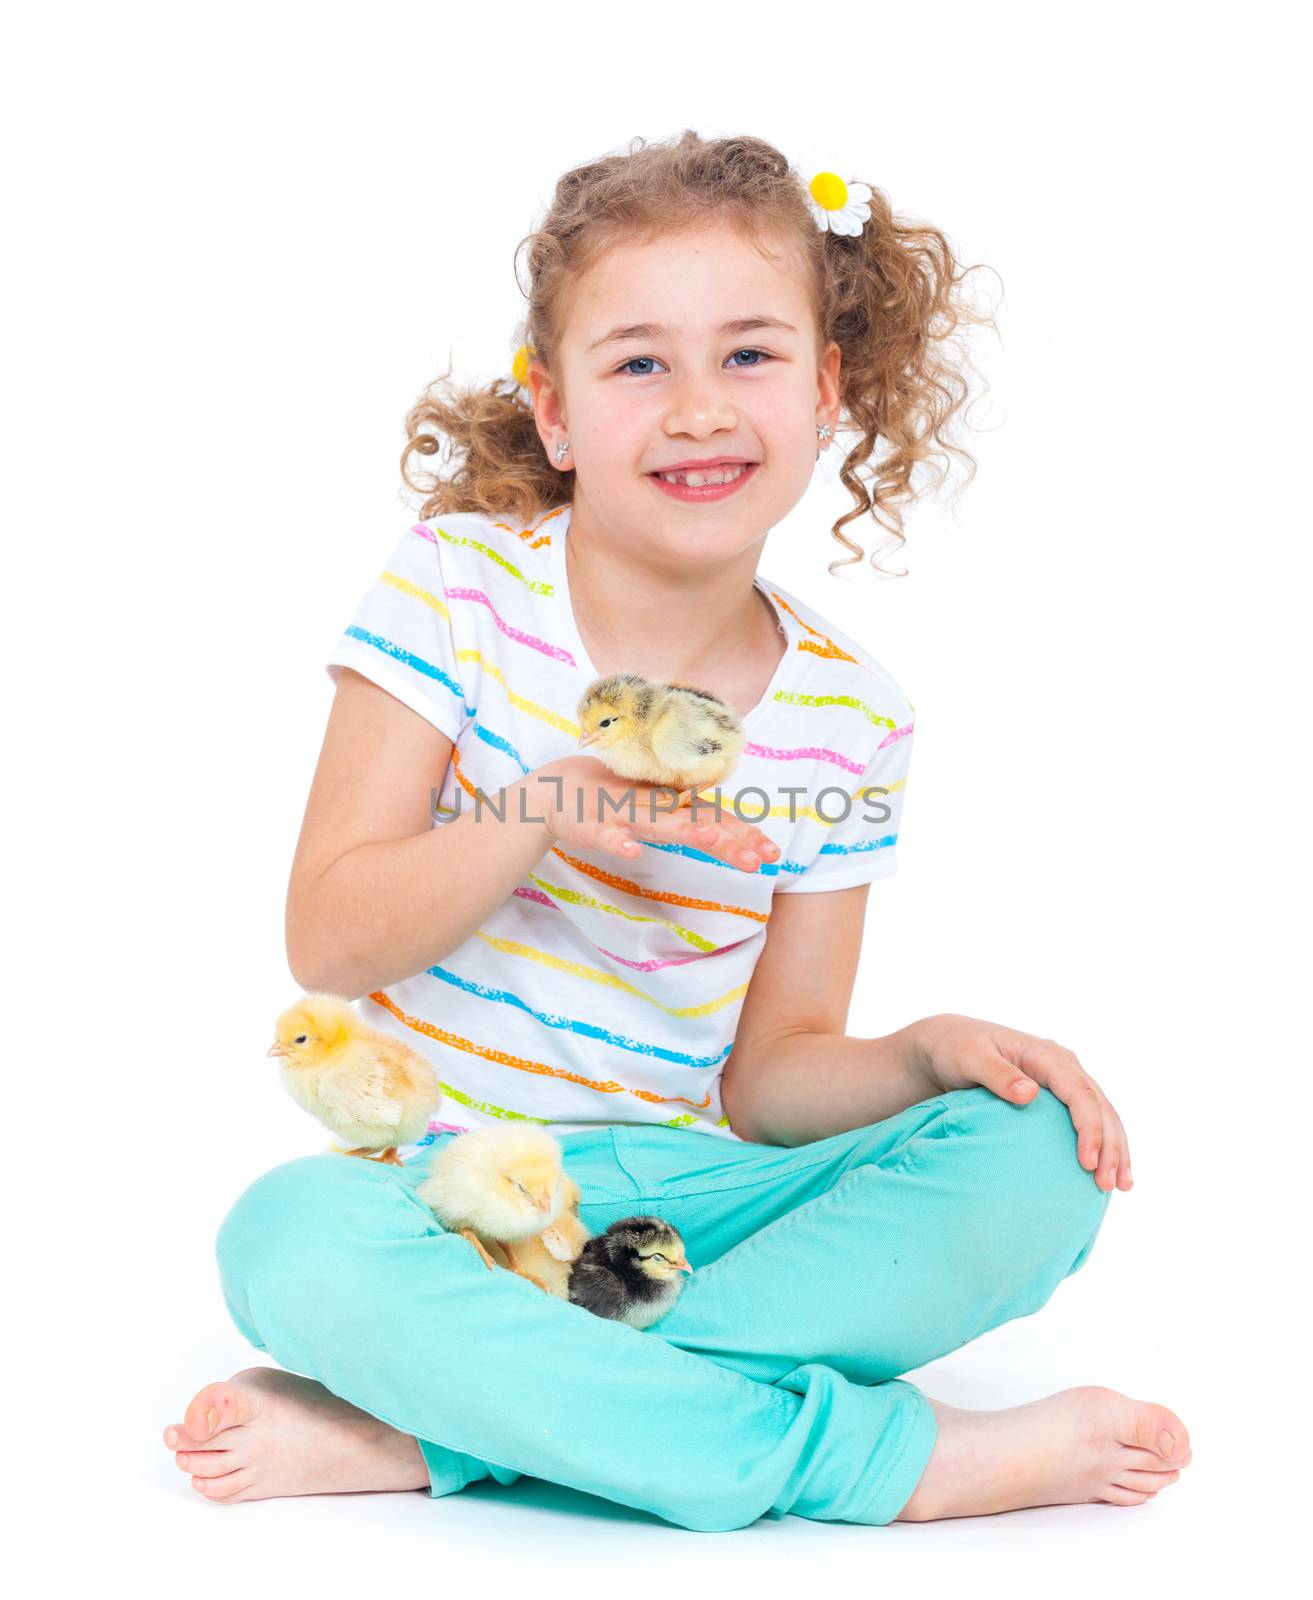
point(606, 990)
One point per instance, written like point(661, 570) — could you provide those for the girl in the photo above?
point(854, 1208)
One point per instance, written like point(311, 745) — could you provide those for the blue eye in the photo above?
point(760, 354)
point(751, 352)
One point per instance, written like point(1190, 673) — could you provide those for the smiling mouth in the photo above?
point(711, 475)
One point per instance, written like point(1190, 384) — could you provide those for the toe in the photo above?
point(206, 1463)
point(228, 1487)
point(1151, 1460)
point(1162, 1431)
point(1123, 1497)
point(1145, 1482)
point(176, 1437)
point(218, 1406)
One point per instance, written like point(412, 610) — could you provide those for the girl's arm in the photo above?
point(377, 893)
point(794, 1076)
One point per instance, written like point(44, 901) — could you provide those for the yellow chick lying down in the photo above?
point(506, 1186)
point(371, 1090)
point(660, 733)
point(549, 1256)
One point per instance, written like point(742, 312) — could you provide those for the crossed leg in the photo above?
point(970, 1220)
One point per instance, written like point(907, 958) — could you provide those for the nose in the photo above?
point(699, 405)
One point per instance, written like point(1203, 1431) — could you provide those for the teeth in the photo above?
point(696, 479)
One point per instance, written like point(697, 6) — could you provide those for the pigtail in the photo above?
point(889, 300)
point(498, 463)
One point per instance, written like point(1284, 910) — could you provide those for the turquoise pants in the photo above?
point(821, 1272)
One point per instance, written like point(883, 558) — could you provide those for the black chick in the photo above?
point(630, 1273)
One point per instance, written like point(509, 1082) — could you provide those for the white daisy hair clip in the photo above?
point(836, 205)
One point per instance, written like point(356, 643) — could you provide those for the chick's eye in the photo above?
point(300, 1038)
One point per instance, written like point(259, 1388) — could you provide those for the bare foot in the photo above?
point(267, 1432)
point(1079, 1445)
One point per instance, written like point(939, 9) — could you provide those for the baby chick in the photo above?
point(551, 1254)
point(660, 733)
point(373, 1091)
point(630, 1273)
point(506, 1184)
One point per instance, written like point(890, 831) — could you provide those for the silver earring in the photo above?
point(561, 449)
point(825, 433)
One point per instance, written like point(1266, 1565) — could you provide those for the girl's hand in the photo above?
point(629, 816)
point(952, 1052)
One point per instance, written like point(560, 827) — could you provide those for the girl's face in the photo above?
point(689, 348)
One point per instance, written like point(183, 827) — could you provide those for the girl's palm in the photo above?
point(589, 806)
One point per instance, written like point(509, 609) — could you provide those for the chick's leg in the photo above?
point(522, 1271)
point(469, 1233)
point(366, 1153)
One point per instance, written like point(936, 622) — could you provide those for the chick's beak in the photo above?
point(682, 1264)
point(586, 738)
point(277, 1050)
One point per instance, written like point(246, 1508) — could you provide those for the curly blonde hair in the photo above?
point(887, 296)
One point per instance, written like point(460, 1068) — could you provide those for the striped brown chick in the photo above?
point(667, 734)
point(631, 1273)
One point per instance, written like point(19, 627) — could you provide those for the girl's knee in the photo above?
point(1031, 1179)
point(303, 1220)
point(1039, 1134)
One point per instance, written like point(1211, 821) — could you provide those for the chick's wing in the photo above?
point(596, 1287)
point(674, 728)
point(358, 1092)
point(697, 732)
point(406, 1071)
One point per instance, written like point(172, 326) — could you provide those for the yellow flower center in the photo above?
point(829, 191)
point(520, 364)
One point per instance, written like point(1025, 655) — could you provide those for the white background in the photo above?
point(241, 240)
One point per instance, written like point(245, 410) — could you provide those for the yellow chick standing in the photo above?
point(660, 733)
point(371, 1090)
